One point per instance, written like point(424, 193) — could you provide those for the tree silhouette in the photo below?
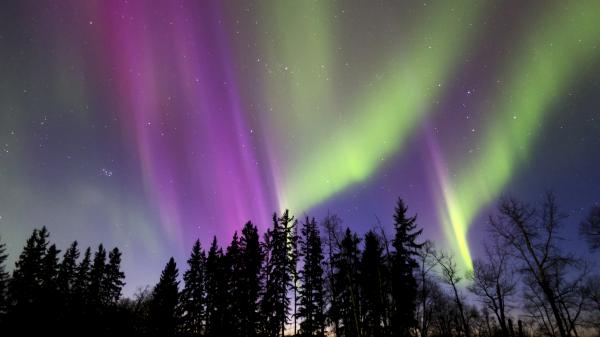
point(49, 291)
point(403, 265)
point(249, 279)
point(373, 284)
point(355, 289)
point(593, 293)
point(532, 235)
point(113, 280)
point(164, 301)
point(81, 284)
point(427, 287)
point(95, 290)
point(232, 263)
point(590, 228)
point(216, 291)
point(346, 275)
point(25, 284)
point(67, 273)
point(269, 326)
point(80, 311)
point(193, 296)
point(3, 282)
point(331, 224)
point(312, 296)
point(493, 282)
point(280, 246)
point(451, 275)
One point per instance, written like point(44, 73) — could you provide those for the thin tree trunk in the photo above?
point(461, 311)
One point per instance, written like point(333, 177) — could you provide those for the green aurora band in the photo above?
point(347, 150)
point(548, 60)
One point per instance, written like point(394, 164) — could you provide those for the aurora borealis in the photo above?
point(149, 124)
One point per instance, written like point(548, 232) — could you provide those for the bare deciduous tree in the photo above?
point(533, 235)
point(450, 274)
point(592, 293)
point(425, 306)
point(494, 283)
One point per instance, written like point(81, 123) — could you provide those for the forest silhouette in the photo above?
point(304, 278)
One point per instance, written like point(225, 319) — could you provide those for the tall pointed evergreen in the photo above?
point(249, 278)
point(3, 282)
point(403, 264)
point(67, 275)
point(25, 286)
point(373, 286)
point(49, 292)
point(42, 240)
point(96, 289)
point(233, 268)
point(67, 271)
point(268, 326)
point(82, 279)
point(81, 313)
point(163, 318)
point(346, 275)
point(50, 267)
point(113, 280)
point(280, 274)
point(24, 281)
point(193, 296)
point(311, 292)
point(216, 292)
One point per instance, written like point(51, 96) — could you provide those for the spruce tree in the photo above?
point(312, 297)
point(42, 241)
point(249, 279)
point(233, 268)
point(113, 280)
point(288, 257)
point(82, 281)
point(81, 312)
point(373, 279)
point(163, 318)
point(346, 275)
point(268, 326)
point(49, 271)
point(3, 283)
point(97, 273)
point(280, 273)
point(216, 292)
point(25, 287)
point(24, 284)
point(67, 275)
point(193, 296)
point(94, 310)
point(49, 295)
point(67, 271)
point(404, 284)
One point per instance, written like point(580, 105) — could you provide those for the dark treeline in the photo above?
point(302, 278)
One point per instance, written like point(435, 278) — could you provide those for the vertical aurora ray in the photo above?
point(182, 110)
point(298, 88)
point(449, 213)
point(380, 118)
point(562, 43)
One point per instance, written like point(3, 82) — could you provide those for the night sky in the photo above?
point(148, 124)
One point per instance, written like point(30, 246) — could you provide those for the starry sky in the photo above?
point(148, 124)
